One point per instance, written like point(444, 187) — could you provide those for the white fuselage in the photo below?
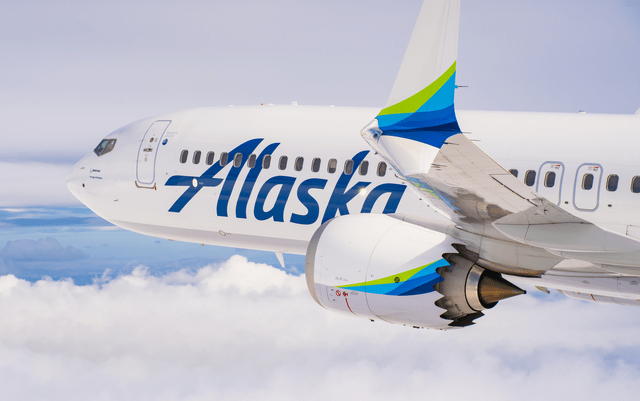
point(143, 186)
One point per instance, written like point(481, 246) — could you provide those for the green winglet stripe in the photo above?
point(390, 279)
point(413, 103)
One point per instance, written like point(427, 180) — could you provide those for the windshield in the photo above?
point(105, 146)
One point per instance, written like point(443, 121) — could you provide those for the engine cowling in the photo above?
point(381, 268)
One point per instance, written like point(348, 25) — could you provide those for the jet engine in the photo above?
point(381, 268)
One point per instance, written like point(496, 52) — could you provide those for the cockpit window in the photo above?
point(105, 146)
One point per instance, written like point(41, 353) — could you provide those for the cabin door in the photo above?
point(146, 163)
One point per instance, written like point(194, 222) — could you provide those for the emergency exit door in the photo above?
point(586, 190)
point(550, 181)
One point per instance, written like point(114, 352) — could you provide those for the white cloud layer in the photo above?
point(34, 184)
point(249, 331)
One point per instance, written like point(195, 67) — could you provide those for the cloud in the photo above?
point(49, 249)
point(96, 79)
point(241, 330)
point(34, 184)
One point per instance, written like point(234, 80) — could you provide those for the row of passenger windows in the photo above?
point(298, 164)
point(587, 180)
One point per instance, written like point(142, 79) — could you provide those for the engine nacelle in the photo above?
point(379, 267)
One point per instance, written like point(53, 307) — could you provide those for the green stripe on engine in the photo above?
point(413, 103)
point(390, 279)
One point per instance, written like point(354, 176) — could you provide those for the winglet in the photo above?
point(422, 96)
point(638, 112)
point(420, 107)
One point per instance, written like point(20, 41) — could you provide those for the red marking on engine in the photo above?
point(347, 301)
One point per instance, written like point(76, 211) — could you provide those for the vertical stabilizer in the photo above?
point(419, 115)
point(638, 112)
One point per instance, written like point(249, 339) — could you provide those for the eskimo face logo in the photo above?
point(338, 201)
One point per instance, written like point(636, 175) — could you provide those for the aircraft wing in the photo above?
point(503, 224)
point(415, 271)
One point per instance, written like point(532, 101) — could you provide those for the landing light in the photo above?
point(362, 192)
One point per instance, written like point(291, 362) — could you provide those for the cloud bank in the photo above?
point(34, 184)
point(241, 330)
point(48, 249)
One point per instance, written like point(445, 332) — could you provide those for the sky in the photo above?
point(90, 311)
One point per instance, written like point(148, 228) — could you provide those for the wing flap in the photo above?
point(574, 237)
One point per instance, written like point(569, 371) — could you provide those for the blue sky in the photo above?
point(89, 311)
point(72, 242)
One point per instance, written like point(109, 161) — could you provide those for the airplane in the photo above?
point(425, 217)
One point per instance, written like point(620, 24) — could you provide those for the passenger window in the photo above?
point(251, 163)
point(184, 156)
point(266, 161)
point(283, 162)
point(549, 179)
point(332, 166)
point(237, 160)
point(298, 164)
point(530, 178)
point(210, 157)
point(382, 169)
point(514, 172)
point(612, 183)
point(105, 146)
point(364, 167)
point(348, 167)
point(223, 158)
point(315, 165)
point(635, 185)
point(587, 181)
point(196, 157)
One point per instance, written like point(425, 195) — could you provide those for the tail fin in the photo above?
point(420, 107)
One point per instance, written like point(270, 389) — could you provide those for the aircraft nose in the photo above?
point(73, 181)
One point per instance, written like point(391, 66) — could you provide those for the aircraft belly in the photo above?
point(219, 237)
